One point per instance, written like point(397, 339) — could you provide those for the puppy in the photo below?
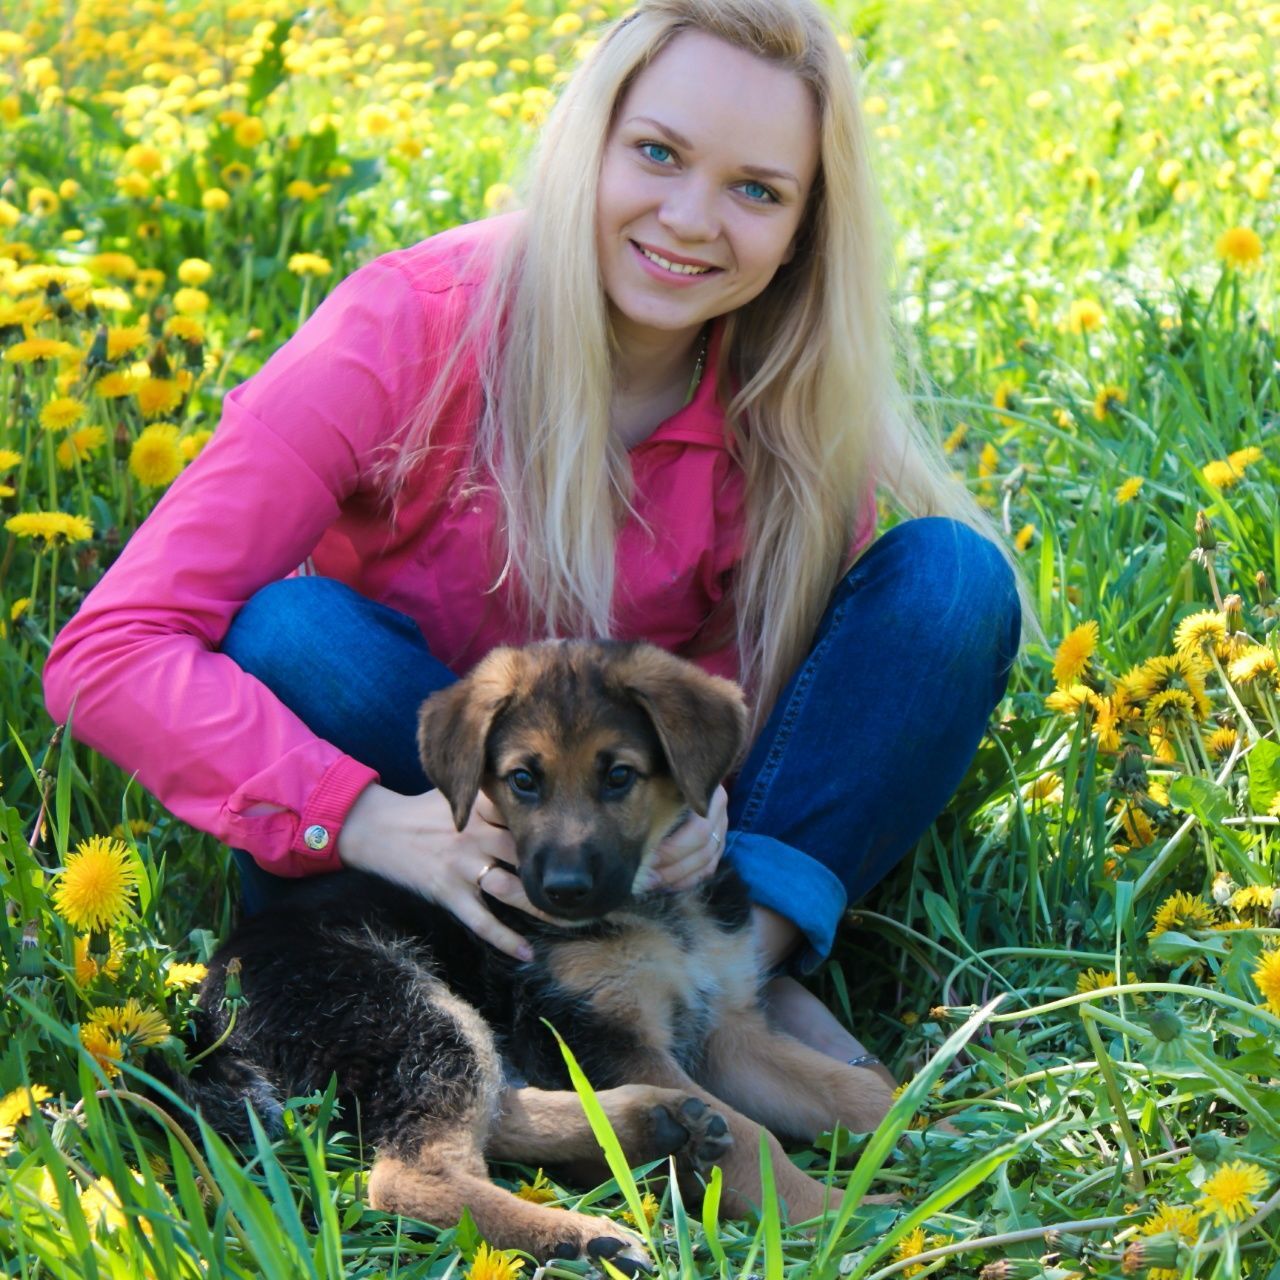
point(591, 752)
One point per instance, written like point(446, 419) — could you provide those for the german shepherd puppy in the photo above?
point(592, 752)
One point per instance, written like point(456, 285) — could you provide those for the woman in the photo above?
point(653, 405)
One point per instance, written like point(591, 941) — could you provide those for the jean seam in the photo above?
point(782, 738)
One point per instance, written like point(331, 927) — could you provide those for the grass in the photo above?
point(1076, 969)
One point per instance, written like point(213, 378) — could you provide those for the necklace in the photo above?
point(699, 364)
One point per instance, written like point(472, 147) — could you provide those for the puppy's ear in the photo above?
point(453, 729)
point(701, 719)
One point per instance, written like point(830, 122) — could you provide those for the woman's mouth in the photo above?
point(660, 265)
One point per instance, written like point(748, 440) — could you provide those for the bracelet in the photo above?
point(864, 1060)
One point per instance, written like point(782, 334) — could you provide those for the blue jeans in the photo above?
point(867, 743)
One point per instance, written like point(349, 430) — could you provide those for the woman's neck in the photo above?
point(653, 375)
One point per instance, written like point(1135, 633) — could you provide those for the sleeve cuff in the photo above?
point(794, 885)
point(315, 843)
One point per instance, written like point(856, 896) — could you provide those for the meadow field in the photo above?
point(1079, 967)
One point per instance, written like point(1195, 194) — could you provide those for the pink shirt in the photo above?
point(287, 476)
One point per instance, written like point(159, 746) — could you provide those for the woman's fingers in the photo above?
point(692, 852)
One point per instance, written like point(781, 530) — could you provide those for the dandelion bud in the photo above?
point(30, 956)
point(97, 356)
point(1014, 480)
point(1011, 1269)
point(1205, 541)
point(1207, 1147)
point(159, 363)
point(231, 990)
point(1155, 1251)
point(1130, 774)
point(1265, 595)
point(1165, 1024)
point(1233, 613)
point(1223, 888)
point(57, 300)
point(1067, 1242)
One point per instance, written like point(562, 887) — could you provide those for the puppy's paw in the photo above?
point(622, 1250)
point(693, 1132)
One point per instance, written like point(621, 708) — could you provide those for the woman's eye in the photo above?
point(522, 782)
point(757, 191)
point(656, 152)
point(619, 777)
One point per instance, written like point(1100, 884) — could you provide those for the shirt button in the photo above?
point(316, 837)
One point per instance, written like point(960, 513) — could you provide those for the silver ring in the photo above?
point(864, 1060)
point(715, 835)
point(484, 871)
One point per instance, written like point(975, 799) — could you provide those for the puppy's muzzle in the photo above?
point(578, 883)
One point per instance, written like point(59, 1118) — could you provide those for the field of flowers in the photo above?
point(1079, 970)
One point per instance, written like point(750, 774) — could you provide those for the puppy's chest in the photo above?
point(670, 981)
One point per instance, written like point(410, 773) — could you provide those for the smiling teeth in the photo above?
point(679, 268)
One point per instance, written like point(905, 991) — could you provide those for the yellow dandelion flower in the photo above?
point(910, 1246)
point(1240, 247)
point(1107, 401)
point(1006, 397)
point(1220, 474)
point(191, 302)
point(1266, 978)
point(60, 413)
point(131, 1024)
point(1255, 897)
point(156, 456)
point(9, 458)
point(1227, 1195)
point(539, 1191)
point(956, 438)
point(1129, 490)
point(494, 1264)
point(1137, 826)
point(1084, 315)
point(309, 264)
point(157, 396)
point(180, 976)
point(94, 888)
point(1023, 538)
point(17, 1105)
point(1178, 1219)
point(1257, 663)
point(1177, 672)
point(566, 24)
point(249, 132)
point(51, 526)
point(1071, 700)
point(79, 446)
point(114, 386)
point(1221, 742)
point(1098, 979)
point(123, 339)
point(649, 1208)
point(1182, 913)
point(215, 200)
point(185, 329)
point(35, 350)
point(104, 1048)
point(1200, 633)
point(1046, 789)
point(118, 265)
point(193, 443)
point(235, 174)
point(89, 967)
point(1071, 661)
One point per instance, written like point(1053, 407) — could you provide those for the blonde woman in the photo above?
point(655, 404)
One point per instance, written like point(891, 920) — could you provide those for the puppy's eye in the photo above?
point(523, 783)
point(619, 779)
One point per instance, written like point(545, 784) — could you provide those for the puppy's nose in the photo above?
point(567, 886)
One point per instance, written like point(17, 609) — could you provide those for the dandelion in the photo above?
point(956, 438)
point(1181, 913)
point(1267, 979)
point(1084, 316)
point(309, 264)
point(115, 386)
point(9, 458)
point(185, 329)
point(193, 444)
point(1170, 1219)
point(1006, 397)
point(566, 24)
point(236, 174)
point(1220, 474)
point(61, 413)
point(1107, 401)
point(157, 396)
point(1239, 247)
point(181, 976)
point(79, 446)
point(1221, 742)
point(1098, 979)
point(215, 200)
point(17, 1105)
point(499, 197)
point(94, 888)
point(494, 1264)
point(89, 967)
point(124, 339)
point(649, 1210)
point(1129, 490)
point(539, 1191)
point(249, 132)
point(1173, 673)
point(51, 526)
point(100, 1204)
point(104, 1048)
point(1200, 633)
point(1071, 661)
point(194, 271)
point(911, 1245)
point(1046, 789)
point(191, 302)
point(156, 456)
point(1228, 1194)
point(1255, 664)
point(118, 265)
point(131, 1024)
point(38, 350)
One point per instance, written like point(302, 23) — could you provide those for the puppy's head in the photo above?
point(590, 751)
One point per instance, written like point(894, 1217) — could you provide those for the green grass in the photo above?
point(1029, 160)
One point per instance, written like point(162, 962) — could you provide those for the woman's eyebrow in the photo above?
point(751, 170)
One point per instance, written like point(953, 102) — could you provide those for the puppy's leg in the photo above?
point(787, 1086)
point(804, 1197)
point(447, 1174)
point(550, 1126)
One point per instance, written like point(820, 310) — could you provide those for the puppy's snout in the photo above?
point(574, 883)
point(568, 885)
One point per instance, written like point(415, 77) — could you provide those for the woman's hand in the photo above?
point(692, 851)
point(412, 841)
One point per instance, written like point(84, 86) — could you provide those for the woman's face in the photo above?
point(706, 173)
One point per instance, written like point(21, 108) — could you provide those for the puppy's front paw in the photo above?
point(693, 1132)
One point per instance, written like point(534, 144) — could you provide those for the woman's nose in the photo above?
point(688, 211)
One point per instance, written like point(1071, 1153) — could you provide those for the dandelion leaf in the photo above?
point(1264, 774)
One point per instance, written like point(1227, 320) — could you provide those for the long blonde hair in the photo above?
point(806, 369)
